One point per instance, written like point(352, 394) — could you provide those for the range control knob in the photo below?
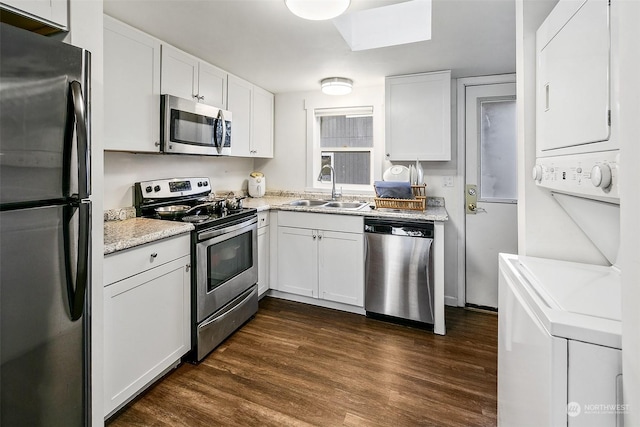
point(199, 183)
point(148, 189)
point(537, 173)
point(601, 176)
point(156, 188)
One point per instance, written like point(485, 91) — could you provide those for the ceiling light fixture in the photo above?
point(317, 10)
point(336, 86)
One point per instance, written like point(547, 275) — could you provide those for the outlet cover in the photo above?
point(447, 181)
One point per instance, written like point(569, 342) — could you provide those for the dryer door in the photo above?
point(573, 72)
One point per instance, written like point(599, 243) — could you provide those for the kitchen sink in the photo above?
point(327, 204)
point(344, 205)
point(308, 202)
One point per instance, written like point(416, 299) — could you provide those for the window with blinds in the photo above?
point(346, 143)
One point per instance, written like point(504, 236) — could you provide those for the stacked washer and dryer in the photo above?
point(559, 345)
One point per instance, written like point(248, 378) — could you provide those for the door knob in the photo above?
point(471, 198)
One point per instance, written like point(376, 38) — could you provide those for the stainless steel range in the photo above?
point(224, 255)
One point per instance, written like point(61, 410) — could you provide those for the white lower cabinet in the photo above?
point(321, 256)
point(146, 317)
point(263, 252)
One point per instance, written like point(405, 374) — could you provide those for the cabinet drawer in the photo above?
point(263, 219)
point(120, 265)
point(333, 222)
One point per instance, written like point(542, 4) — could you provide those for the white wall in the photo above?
point(288, 169)
point(544, 229)
point(122, 170)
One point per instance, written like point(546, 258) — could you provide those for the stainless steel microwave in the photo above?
point(189, 127)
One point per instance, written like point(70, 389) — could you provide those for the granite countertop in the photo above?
point(432, 213)
point(121, 235)
point(122, 230)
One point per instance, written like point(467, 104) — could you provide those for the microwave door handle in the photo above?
point(82, 135)
point(220, 123)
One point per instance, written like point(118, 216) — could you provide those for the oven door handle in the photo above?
point(227, 228)
point(217, 317)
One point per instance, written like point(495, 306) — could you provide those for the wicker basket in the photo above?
point(417, 204)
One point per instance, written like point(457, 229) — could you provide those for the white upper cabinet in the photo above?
point(252, 109)
point(138, 68)
point(54, 13)
point(239, 96)
point(262, 126)
point(212, 85)
point(131, 84)
point(187, 77)
point(418, 117)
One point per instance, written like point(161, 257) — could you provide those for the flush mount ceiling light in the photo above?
point(317, 10)
point(336, 86)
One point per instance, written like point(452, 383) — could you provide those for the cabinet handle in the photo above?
point(157, 144)
point(314, 237)
point(154, 256)
point(195, 96)
point(188, 267)
point(201, 98)
point(388, 155)
point(319, 236)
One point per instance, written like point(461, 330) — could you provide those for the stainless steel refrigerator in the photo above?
point(45, 217)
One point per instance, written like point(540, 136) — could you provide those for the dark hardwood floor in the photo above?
point(300, 365)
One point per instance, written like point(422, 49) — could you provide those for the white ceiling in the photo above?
point(261, 41)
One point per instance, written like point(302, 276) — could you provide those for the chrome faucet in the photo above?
point(334, 195)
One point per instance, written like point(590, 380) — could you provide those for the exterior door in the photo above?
point(491, 190)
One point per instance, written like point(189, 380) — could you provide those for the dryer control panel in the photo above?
point(591, 175)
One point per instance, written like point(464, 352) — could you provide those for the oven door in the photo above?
point(226, 264)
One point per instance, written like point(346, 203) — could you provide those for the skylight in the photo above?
point(393, 25)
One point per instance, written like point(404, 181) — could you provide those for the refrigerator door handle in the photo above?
point(76, 293)
point(82, 135)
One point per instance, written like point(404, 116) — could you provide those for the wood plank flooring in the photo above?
point(300, 365)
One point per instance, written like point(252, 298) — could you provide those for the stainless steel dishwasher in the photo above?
point(399, 269)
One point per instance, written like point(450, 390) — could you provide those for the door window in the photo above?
point(498, 160)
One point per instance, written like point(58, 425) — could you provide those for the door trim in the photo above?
point(461, 167)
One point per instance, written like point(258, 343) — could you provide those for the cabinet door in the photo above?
point(131, 83)
point(53, 12)
point(239, 95)
point(212, 85)
point(146, 329)
point(341, 267)
point(263, 260)
point(297, 261)
point(179, 73)
point(418, 117)
point(262, 130)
